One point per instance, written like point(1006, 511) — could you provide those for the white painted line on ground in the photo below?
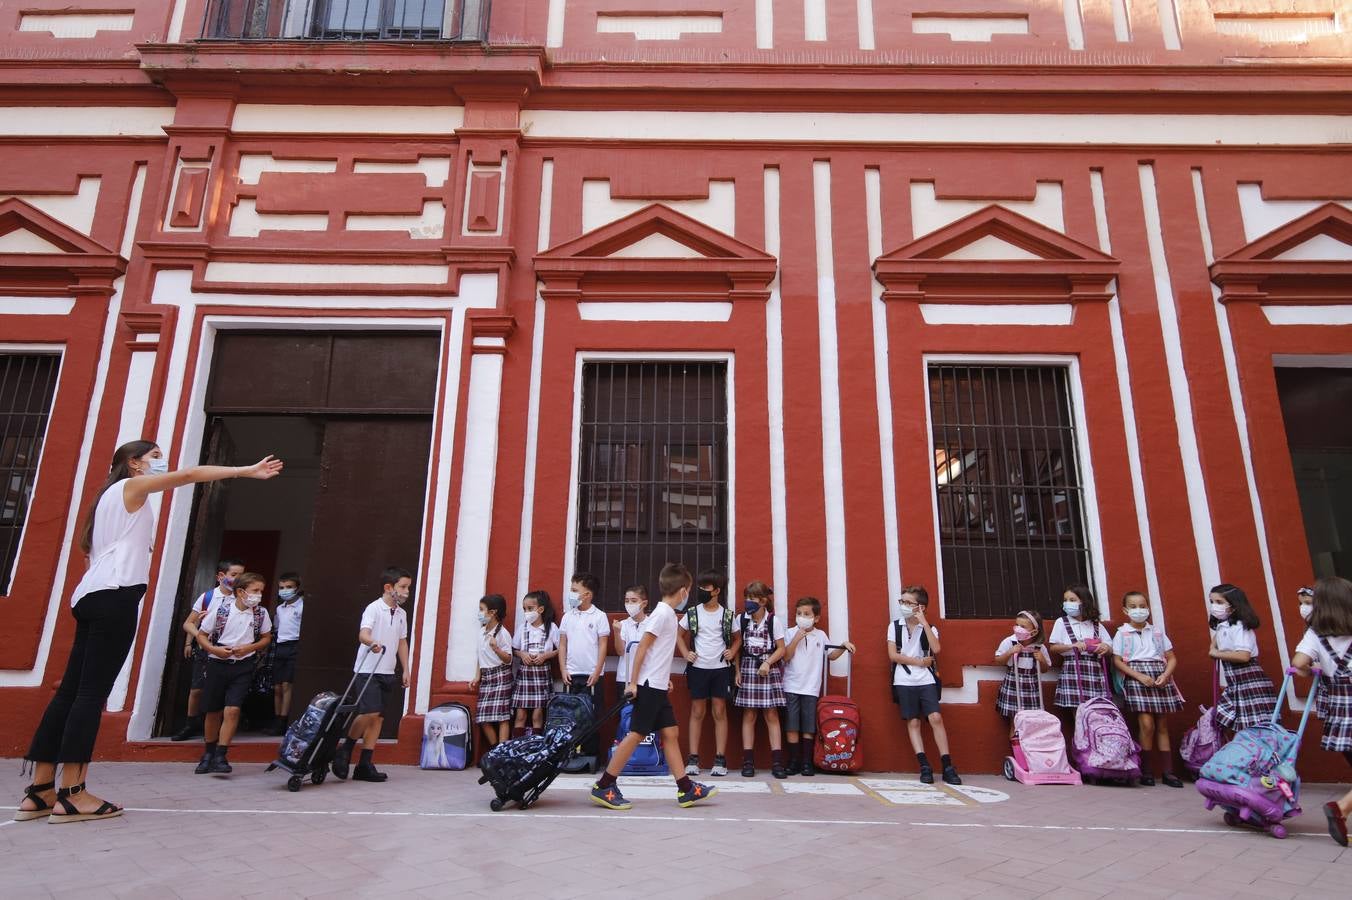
point(822, 787)
point(980, 794)
point(918, 798)
point(659, 787)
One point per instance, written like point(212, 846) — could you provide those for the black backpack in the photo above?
point(924, 650)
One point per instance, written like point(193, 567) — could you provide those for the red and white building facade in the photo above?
point(990, 296)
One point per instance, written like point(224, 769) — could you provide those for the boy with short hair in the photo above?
point(582, 646)
point(912, 644)
point(227, 570)
point(290, 610)
point(716, 634)
point(804, 659)
point(383, 623)
point(232, 632)
point(649, 682)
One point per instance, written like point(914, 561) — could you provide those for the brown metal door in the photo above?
point(368, 515)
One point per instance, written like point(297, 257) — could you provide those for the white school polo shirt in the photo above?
point(388, 627)
point(709, 644)
point(1025, 660)
point(656, 671)
point(288, 619)
point(1312, 647)
point(1148, 643)
point(488, 639)
point(585, 629)
point(910, 646)
point(803, 673)
point(238, 625)
point(1234, 636)
point(631, 632)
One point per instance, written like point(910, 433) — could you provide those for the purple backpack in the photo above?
point(1202, 740)
point(1103, 746)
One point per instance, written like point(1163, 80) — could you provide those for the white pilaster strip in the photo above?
point(1074, 24)
point(774, 379)
point(554, 24)
point(864, 10)
point(1173, 38)
point(765, 24)
point(814, 20)
point(833, 467)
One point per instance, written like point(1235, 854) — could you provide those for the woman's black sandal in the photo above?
point(33, 792)
point(72, 814)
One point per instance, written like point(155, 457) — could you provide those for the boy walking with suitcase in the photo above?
point(649, 682)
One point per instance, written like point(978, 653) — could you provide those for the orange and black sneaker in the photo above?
point(609, 797)
point(697, 793)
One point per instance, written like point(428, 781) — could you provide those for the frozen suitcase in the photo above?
point(447, 741)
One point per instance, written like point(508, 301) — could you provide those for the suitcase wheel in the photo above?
point(318, 777)
point(1231, 819)
point(496, 804)
point(293, 783)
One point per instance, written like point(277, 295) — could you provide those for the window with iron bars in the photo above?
point(27, 386)
point(346, 20)
point(652, 479)
point(1007, 481)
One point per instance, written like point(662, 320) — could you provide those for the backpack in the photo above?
point(1103, 746)
point(769, 629)
point(692, 625)
point(223, 616)
point(1202, 740)
point(924, 649)
point(448, 738)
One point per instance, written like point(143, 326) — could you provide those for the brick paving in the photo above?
point(431, 834)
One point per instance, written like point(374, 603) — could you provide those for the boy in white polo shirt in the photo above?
point(582, 646)
point(912, 644)
point(383, 625)
point(232, 632)
point(227, 570)
point(290, 609)
point(804, 659)
point(649, 681)
point(709, 674)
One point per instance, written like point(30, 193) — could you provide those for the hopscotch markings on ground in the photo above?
point(980, 794)
point(906, 792)
point(656, 787)
point(836, 788)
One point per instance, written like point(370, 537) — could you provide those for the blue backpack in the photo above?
point(648, 758)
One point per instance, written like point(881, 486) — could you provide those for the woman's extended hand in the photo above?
point(265, 468)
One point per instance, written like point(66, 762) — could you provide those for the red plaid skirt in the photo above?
point(1157, 700)
point(1248, 698)
point(1335, 706)
point(533, 687)
point(1020, 690)
point(760, 691)
point(495, 694)
point(1082, 678)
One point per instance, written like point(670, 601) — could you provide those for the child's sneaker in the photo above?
point(696, 793)
point(951, 775)
point(609, 797)
point(720, 767)
point(692, 764)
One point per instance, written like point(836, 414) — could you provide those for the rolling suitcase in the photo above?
point(838, 747)
point(447, 741)
point(572, 712)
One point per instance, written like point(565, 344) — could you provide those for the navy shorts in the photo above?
point(917, 700)
point(801, 713)
point(199, 668)
point(284, 662)
point(652, 711)
point(227, 683)
point(709, 683)
point(376, 692)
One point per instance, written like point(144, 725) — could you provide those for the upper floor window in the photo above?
point(346, 20)
point(27, 386)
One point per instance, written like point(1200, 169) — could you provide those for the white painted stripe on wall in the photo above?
point(474, 288)
point(1307, 315)
point(74, 24)
point(658, 28)
point(814, 20)
point(864, 13)
point(1199, 509)
point(322, 273)
point(138, 186)
point(537, 352)
point(833, 457)
point(774, 381)
point(1173, 36)
point(997, 313)
point(882, 373)
point(924, 128)
point(474, 523)
point(1242, 429)
point(1121, 21)
point(554, 24)
point(1074, 24)
point(76, 210)
point(84, 121)
point(36, 306)
point(765, 24)
point(662, 311)
point(344, 119)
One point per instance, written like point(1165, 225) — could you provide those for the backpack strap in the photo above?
point(727, 628)
point(1339, 663)
point(692, 622)
point(257, 623)
point(1070, 634)
point(222, 616)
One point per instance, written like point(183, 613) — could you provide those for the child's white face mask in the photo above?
point(907, 611)
point(806, 622)
point(633, 609)
point(1306, 610)
point(1138, 614)
point(252, 600)
point(532, 616)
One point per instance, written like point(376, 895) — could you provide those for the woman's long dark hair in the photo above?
point(118, 471)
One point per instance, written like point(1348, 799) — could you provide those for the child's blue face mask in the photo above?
point(752, 607)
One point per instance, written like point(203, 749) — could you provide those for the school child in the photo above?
point(232, 632)
point(1145, 657)
point(536, 644)
point(912, 645)
point(384, 624)
point(760, 678)
point(649, 682)
point(493, 677)
point(227, 570)
point(1248, 698)
point(1025, 657)
point(1305, 597)
point(804, 659)
point(1328, 643)
point(582, 646)
point(1081, 641)
point(716, 634)
point(629, 630)
point(290, 609)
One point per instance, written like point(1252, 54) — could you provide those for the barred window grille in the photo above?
point(1007, 479)
point(27, 386)
point(346, 20)
point(652, 480)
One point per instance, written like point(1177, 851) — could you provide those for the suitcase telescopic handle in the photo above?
point(1287, 679)
point(826, 669)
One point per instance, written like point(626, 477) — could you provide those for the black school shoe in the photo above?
point(926, 775)
point(795, 768)
point(191, 729)
point(808, 768)
point(368, 773)
point(1172, 780)
point(778, 771)
point(341, 762)
point(204, 764)
point(748, 770)
point(1146, 780)
point(219, 764)
point(951, 775)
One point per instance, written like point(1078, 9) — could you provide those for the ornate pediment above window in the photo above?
point(41, 257)
point(1305, 261)
point(655, 254)
point(995, 256)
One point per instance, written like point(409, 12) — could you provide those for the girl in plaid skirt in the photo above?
point(535, 645)
point(1248, 698)
point(493, 677)
point(1328, 644)
point(760, 677)
point(1026, 656)
point(1145, 657)
point(1081, 641)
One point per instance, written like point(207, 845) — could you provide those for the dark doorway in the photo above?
point(1315, 406)
point(351, 415)
point(653, 485)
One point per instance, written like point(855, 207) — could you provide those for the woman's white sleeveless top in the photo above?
point(119, 555)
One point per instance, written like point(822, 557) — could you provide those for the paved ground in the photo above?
point(431, 834)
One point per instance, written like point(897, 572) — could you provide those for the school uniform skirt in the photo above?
point(1248, 698)
point(760, 691)
point(1336, 697)
point(1020, 690)
point(495, 694)
point(532, 688)
point(1082, 678)
point(1156, 700)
